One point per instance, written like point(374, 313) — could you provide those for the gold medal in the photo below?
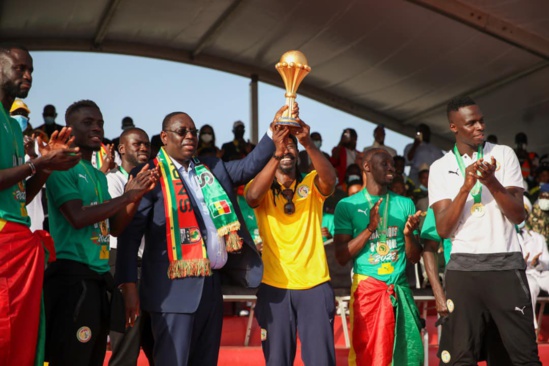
point(477, 210)
point(382, 248)
point(104, 227)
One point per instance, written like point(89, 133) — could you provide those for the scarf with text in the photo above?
point(186, 248)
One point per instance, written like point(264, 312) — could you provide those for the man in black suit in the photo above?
point(182, 291)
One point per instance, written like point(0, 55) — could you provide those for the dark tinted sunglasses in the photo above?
point(289, 207)
point(183, 132)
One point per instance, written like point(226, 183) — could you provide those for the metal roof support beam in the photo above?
point(489, 24)
point(104, 23)
point(214, 30)
point(482, 90)
point(254, 108)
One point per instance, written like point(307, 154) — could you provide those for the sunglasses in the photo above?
point(183, 132)
point(289, 207)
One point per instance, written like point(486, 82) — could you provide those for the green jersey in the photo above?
point(328, 223)
point(249, 218)
point(89, 245)
point(385, 261)
point(429, 231)
point(13, 199)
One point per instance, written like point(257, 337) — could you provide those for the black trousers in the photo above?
point(126, 346)
point(484, 304)
point(77, 315)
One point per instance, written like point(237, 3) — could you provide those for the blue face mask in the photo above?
point(22, 120)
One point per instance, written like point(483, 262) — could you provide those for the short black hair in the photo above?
point(7, 48)
point(76, 106)
point(544, 167)
point(459, 102)
point(351, 131)
point(168, 117)
point(131, 130)
point(398, 157)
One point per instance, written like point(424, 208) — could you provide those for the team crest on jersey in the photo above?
point(263, 334)
point(445, 356)
point(450, 305)
point(83, 334)
point(303, 191)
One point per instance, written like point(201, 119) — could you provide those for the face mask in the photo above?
point(521, 225)
point(318, 143)
point(206, 137)
point(353, 177)
point(22, 120)
point(544, 204)
point(49, 120)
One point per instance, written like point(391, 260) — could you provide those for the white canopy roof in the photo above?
point(392, 62)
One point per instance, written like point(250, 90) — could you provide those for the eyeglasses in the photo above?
point(183, 132)
point(289, 207)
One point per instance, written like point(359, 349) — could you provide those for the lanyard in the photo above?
point(124, 172)
point(476, 192)
point(384, 219)
point(96, 185)
point(15, 144)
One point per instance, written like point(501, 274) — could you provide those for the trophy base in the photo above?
point(287, 121)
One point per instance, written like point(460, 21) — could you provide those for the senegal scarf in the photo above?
point(186, 249)
point(99, 156)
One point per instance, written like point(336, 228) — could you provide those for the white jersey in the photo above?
point(493, 232)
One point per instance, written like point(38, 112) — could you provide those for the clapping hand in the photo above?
point(412, 223)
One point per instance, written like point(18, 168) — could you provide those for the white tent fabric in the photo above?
point(393, 62)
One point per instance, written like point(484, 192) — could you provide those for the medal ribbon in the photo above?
point(103, 225)
point(124, 172)
point(382, 236)
point(476, 192)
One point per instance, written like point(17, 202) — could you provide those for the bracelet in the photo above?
point(370, 230)
point(32, 167)
point(277, 157)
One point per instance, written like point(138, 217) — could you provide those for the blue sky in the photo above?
point(148, 89)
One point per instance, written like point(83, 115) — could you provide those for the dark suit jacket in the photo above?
point(157, 292)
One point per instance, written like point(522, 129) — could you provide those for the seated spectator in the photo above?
point(49, 125)
point(238, 148)
point(127, 122)
point(528, 160)
point(420, 195)
point(398, 186)
point(354, 183)
point(421, 151)
point(493, 139)
point(536, 255)
point(352, 173)
point(156, 144)
point(206, 142)
point(345, 153)
point(20, 112)
point(305, 165)
point(400, 164)
point(379, 141)
point(538, 221)
point(542, 177)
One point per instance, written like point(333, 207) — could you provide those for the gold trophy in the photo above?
point(293, 68)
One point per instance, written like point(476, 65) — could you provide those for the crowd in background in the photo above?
point(164, 196)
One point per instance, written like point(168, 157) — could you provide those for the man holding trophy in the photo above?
point(295, 294)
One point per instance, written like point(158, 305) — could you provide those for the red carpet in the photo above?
point(233, 352)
